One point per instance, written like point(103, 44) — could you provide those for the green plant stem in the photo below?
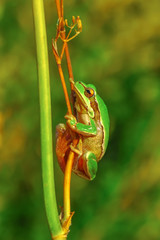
point(45, 118)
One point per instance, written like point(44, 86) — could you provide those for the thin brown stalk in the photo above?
point(67, 215)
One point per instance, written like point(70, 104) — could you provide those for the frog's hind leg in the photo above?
point(90, 165)
point(63, 141)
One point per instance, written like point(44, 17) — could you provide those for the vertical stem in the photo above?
point(45, 118)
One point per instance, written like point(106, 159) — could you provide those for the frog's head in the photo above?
point(84, 95)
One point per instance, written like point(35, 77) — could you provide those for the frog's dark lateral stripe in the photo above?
point(105, 123)
point(80, 97)
point(94, 105)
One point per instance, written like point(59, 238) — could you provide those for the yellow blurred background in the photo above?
point(119, 52)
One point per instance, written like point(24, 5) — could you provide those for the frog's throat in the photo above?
point(80, 107)
point(84, 101)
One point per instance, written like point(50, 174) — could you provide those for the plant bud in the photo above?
point(79, 23)
point(73, 19)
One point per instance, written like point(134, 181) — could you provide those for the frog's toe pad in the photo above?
point(91, 166)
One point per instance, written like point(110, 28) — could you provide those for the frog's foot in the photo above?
point(90, 165)
point(60, 129)
point(75, 150)
point(78, 148)
point(71, 121)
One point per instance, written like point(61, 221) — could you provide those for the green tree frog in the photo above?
point(91, 124)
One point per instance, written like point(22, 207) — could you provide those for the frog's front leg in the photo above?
point(85, 130)
point(90, 165)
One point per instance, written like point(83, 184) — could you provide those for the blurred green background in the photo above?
point(119, 52)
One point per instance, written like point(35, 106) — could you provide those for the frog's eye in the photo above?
point(89, 92)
